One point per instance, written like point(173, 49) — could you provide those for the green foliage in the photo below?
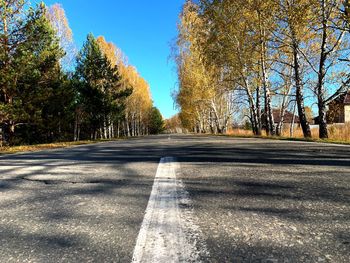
point(40, 102)
point(32, 75)
point(248, 126)
point(156, 121)
point(98, 84)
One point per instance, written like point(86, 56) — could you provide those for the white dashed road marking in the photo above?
point(168, 233)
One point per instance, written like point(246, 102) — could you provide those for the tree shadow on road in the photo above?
point(49, 209)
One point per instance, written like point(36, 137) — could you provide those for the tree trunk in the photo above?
point(293, 120)
point(283, 107)
point(216, 118)
point(118, 129)
point(299, 91)
point(253, 113)
point(104, 128)
point(11, 124)
point(124, 129)
point(75, 128)
point(323, 133)
point(270, 124)
point(112, 132)
point(78, 132)
point(258, 112)
point(127, 128)
point(279, 129)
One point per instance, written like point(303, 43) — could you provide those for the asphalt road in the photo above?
point(253, 200)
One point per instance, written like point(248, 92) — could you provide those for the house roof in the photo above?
point(347, 98)
point(288, 116)
point(343, 98)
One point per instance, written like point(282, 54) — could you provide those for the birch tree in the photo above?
point(329, 46)
point(294, 18)
point(202, 97)
point(59, 22)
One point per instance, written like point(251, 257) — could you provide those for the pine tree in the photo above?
point(156, 121)
point(99, 87)
point(30, 73)
point(11, 35)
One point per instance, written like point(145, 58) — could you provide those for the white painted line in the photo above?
point(168, 233)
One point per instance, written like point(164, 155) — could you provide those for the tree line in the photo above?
point(249, 58)
point(50, 92)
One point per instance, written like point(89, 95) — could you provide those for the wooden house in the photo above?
point(339, 109)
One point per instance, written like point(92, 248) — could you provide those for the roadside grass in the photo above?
point(334, 141)
point(338, 134)
point(47, 146)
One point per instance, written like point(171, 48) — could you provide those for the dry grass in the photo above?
point(39, 147)
point(338, 133)
point(240, 133)
point(298, 132)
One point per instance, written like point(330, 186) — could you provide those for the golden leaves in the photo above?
point(140, 100)
point(57, 16)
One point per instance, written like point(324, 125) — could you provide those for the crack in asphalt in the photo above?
point(57, 182)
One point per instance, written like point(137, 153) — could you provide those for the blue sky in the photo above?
point(142, 29)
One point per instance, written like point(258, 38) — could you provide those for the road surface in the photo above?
point(178, 198)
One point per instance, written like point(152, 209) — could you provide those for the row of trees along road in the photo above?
point(51, 92)
point(247, 57)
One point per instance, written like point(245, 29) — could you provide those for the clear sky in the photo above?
point(142, 29)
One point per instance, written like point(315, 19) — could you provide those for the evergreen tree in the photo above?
point(41, 102)
point(156, 121)
point(31, 74)
point(98, 86)
point(12, 33)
